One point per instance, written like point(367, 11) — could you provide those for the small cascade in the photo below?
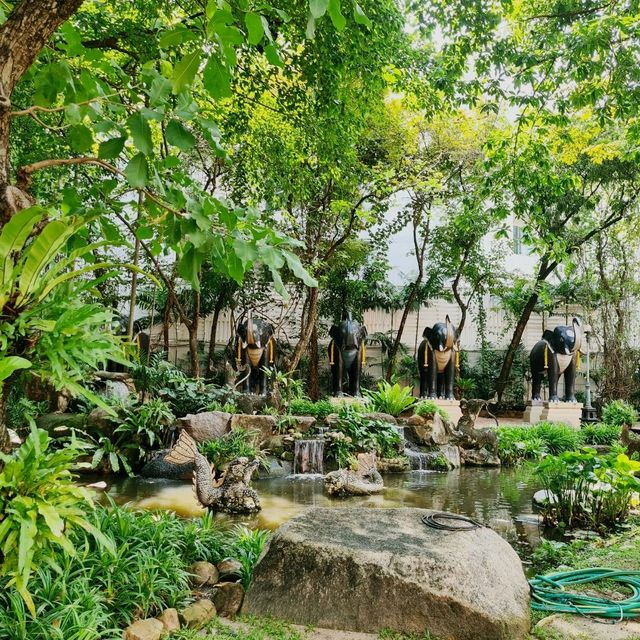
point(400, 430)
point(308, 456)
point(419, 461)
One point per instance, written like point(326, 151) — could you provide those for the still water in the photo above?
point(500, 498)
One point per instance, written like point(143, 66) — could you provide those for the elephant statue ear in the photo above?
point(334, 332)
point(451, 334)
point(428, 333)
point(577, 329)
point(549, 336)
point(363, 333)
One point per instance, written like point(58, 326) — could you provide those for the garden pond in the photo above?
point(501, 498)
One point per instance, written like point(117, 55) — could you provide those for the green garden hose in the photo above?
point(548, 594)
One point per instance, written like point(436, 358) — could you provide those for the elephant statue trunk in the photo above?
point(437, 360)
point(557, 353)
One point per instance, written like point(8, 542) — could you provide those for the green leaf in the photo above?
point(189, 266)
point(10, 364)
point(271, 52)
point(255, 27)
point(110, 149)
point(217, 79)
point(14, 234)
point(335, 13)
point(185, 71)
point(137, 171)
point(176, 37)
point(80, 138)
point(52, 518)
point(179, 136)
point(318, 8)
point(141, 133)
point(299, 271)
point(360, 16)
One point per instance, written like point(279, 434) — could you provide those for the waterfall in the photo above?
point(308, 456)
point(419, 461)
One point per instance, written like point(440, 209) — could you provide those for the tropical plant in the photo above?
point(234, 444)
point(619, 413)
point(558, 437)
point(145, 424)
point(601, 434)
point(20, 410)
point(428, 408)
point(41, 508)
point(247, 546)
point(589, 489)
point(390, 398)
point(305, 407)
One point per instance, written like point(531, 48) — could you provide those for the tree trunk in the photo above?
point(395, 347)
point(166, 322)
point(314, 363)
point(212, 335)
point(192, 327)
point(305, 336)
point(22, 37)
point(5, 440)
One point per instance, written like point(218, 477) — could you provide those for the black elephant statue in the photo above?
point(254, 349)
point(347, 354)
point(437, 360)
point(557, 353)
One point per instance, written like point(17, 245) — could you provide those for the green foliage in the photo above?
point(390, 398)
point(618, 413)
point(550, 554)
point(20, 410)
point(94, 593)
point(601, 434)
point(516, 444)
point(304, 407)
point(354, 433)
point(40, 511)
point(144, 424)
point(236, 443)
point(589, 490)
point(428, 408)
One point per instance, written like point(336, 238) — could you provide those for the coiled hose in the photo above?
point(549, 593)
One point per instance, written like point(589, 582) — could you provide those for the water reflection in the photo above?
point(500, 498)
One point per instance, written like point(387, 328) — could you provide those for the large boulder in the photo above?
point(427, 432)
point(208, 425)
point(160, 467)
point(363, 569)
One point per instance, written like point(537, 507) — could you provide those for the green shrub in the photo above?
point(236, 443)
point(428, 408)
point(305, 407)
point(40, 510)
point(619, 413)
point(602, 434)
point(558, 437)
point(390, 398)
point(590, 490)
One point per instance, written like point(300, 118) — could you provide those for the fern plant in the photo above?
point(390, 398)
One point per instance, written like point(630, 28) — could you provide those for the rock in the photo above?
point(416, 421)
point(542, 498)
point(394, 465)
point(479, 458)
point(52, 421)
point(579, 628)
point(198, 613)
point(303, 424)
point(277, 445)
point(452, 455)
point(204, 573)
point(229, 570)
point(382, 417)
point(228, 597)
point(427, 432)
point(170, 620)
point(250, 403)
point(264, 426)
point(278, 468)
point(14, 438)
point(208, 425)
point(332, 420)
point(149, 629)
point(102, 485)
point(363, 569)
point(158, 467)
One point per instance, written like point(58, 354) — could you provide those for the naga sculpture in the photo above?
point(231, 494)
point(438, 358)
point(557, 353)
point(347, 354)
point(254, 349)
point(362, 482)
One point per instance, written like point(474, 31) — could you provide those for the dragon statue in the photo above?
point(230, 494)
point(362, 482)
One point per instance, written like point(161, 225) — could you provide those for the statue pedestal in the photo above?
point(533, 412)
point(452, 407)
point(568, 412)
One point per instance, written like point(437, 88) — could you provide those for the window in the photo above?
point(519, 248)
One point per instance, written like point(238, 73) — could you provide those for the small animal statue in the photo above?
point(254, 349)
point(630, 438)
point(557, 353)
point(231, 494)
point(362, 482)
point(468, 437)
point(347, 355)
point(437, 360)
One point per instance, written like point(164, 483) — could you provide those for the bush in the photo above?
point(236, 443)
point(619, 413)
point(602, 434)
point(305, 407)
point(558, 437)
point(390, 398)
point(428, 408)
point(590, 490)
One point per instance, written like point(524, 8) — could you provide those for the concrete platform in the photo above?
point(566, 412)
